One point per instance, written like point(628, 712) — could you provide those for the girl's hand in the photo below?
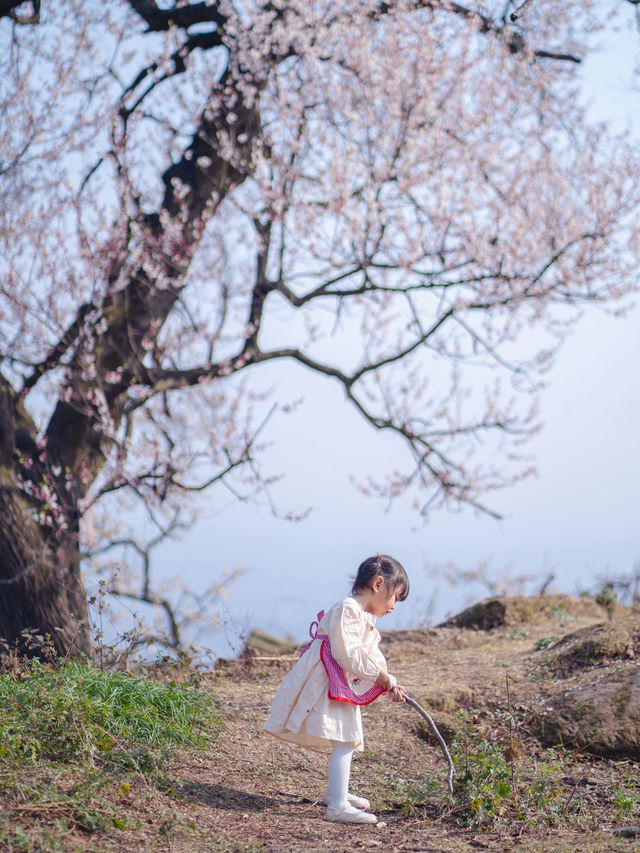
point(396, 694)
point(386, 681)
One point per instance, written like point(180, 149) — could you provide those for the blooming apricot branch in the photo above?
point(403, 197)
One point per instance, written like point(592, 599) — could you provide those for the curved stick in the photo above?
point(410, 701)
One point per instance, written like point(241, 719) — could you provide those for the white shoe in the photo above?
point(356, 802)
point(349, 814)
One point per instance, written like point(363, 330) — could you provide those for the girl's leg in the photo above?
point(339, 808)
point(339, 772)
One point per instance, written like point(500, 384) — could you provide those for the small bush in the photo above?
point(490, 787)
point(606, 597)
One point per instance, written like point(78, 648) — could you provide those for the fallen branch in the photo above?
point(410, 701)
point(275, 657)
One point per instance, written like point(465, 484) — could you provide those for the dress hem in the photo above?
point(291, 737)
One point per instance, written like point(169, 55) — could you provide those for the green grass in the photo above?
point(73, 741)
point(79, 713)
point(506, 780)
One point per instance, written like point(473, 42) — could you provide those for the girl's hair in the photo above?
point(394, 575)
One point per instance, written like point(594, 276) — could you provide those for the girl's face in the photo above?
point(383, 598)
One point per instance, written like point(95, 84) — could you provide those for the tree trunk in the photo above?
point(41, 590)
point(45, 473)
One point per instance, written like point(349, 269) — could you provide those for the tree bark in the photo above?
point(41, 591)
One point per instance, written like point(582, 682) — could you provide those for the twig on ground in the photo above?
point(275, 657)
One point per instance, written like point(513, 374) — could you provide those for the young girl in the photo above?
point(318, 703)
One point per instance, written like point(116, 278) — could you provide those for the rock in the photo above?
point(480, 617)
point(627, 832)
point(260, 642)
point(602, 717)
point(502, 610)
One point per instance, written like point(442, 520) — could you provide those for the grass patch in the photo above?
point(82, 714)
point(507, 782)
point(73, 740)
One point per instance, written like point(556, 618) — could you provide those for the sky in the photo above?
point(578, 518)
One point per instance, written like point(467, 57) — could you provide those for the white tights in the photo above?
point(339, 772)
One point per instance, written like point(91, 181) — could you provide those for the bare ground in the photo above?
point(252, 792)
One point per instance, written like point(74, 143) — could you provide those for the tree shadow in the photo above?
point(222, 797)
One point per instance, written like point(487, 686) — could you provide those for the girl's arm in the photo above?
point(345, 636)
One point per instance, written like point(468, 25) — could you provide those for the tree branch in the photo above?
point(8, 10)
point(217, 159)
point(514, 40)
point(184, 16)
point(203, 41)
point(52, 360)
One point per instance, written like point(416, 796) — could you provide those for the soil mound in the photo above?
point(599, 708)
point(497, 612)
point(615, 640)
point(602, 717)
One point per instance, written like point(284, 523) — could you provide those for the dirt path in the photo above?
point(255, 793)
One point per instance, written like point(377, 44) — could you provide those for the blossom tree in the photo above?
point(403, 197)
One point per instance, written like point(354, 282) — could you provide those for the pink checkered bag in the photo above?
point(357, 691)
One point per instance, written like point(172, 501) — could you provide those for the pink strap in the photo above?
point(313, 633)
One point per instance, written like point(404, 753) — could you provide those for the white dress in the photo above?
point(302, 711)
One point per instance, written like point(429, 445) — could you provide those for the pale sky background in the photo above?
point(578, 517)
